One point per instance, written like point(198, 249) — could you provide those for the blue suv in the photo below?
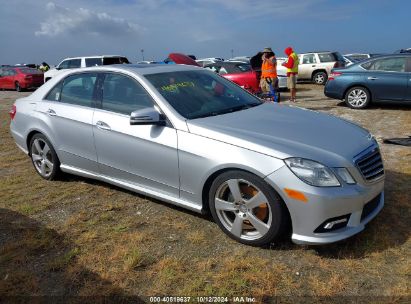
point(385, 78)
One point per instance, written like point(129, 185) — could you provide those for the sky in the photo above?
point(32, 31)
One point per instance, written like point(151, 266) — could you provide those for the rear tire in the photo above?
point(357, 98)
point(247, 209)
point(320, 78)
point(44, 157)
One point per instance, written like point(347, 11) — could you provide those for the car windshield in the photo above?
point(196, 94)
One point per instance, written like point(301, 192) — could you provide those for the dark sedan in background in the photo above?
point(385, 78)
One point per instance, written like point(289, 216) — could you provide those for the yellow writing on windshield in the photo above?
point(173, 87)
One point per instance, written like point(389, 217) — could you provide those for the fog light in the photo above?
point(332, 224)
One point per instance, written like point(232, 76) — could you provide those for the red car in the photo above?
point(19, 78)
point(240, 73)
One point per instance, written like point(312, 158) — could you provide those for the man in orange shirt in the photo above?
point(268, 71)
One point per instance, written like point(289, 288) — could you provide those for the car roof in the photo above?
point(361, 62)
point(142, 69)
point(96, 56)
point(313, 52)
point(391, 55)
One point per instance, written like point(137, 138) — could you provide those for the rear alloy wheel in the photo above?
point(43, 157)
point(17, 86)
point(320, 78)
point(357, 98)
point(246, 208)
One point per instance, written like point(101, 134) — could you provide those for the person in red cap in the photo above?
point(292, 70)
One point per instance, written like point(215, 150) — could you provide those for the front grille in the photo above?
point(370, 206)
point(370, 165)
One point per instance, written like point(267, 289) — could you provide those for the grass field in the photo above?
point(82, 237)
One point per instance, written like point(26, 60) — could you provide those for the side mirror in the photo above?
point(147, 116)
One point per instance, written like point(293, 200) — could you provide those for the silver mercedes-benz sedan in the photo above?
point(187, 136)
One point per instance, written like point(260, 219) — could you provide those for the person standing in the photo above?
point(292, 71)
point(268, 71)
point(44, 67)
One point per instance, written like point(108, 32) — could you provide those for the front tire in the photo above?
point(247, 209)
point(357, 98)
point(44, 157)
point(320, 78)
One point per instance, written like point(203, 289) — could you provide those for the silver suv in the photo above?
point(316, 66)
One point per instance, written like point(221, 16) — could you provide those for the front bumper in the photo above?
point(325, 203)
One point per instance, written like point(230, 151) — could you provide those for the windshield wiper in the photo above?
point(228, 110)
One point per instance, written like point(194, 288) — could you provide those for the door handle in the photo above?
point(51, 112)
point(313, 65)
point(103, 126)
point(372, 78)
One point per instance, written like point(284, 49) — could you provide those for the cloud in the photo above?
point(64, 20)
point(256, 8)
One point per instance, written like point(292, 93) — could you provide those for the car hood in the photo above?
point(286, 131)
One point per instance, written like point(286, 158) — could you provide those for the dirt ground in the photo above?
point(79, 237)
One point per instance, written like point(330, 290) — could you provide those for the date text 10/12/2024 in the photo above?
point(239, 299)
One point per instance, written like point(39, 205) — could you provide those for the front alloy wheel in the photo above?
point(246, 208)
point(44, 158)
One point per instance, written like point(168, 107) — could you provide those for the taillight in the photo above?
point(334, 75)
point(13, 112)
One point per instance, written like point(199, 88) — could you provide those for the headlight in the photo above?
point(312, 173)
point(345, 175)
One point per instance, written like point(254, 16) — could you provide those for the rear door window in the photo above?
point(9, 72)
point(93, 62)
point(75, 63)
point(79, 89)
point(397, 64)
point(309, 58)
point(30, 71)
point(123, 94)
